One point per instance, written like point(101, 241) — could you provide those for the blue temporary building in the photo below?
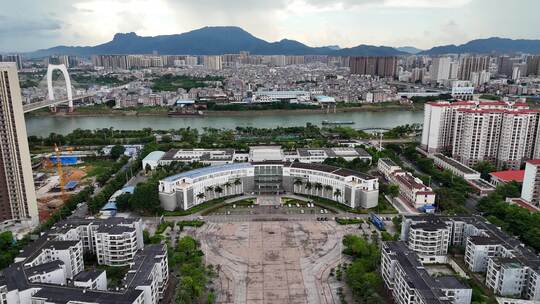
point(428, 209)
point(65, 160)
point(128, 189)
point(109, 209)
point(71, 185)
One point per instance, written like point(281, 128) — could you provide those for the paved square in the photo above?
point(273, 262)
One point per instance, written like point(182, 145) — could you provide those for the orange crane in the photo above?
point(60, 171)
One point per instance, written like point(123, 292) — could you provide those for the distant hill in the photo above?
point(493, 45)
point(409, 49)
point(209, 41)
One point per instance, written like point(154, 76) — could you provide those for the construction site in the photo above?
point(58, 176)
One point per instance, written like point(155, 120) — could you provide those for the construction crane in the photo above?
point(60, 171)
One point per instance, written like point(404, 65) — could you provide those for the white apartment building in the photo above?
point(479, 250)
point(440, 69)
point(511, 268)
point(50, 270)
point(213, 62)
point(53, 272)
point(187, 189)
point(531, 183)
point(506, 276)
point(503, 133)
point(91, 279)
point(69, 252)
point(150, 273)
point(116, 245)
point(409, 282)
point(502, 137)
point(429, 239)
point(114, 240)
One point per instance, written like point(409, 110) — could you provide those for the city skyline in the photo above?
point(418, 23)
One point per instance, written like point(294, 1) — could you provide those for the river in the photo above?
point(43, 125)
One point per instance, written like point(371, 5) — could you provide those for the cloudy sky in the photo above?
point(27, 25)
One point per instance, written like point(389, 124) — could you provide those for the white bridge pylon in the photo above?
point(63, 69)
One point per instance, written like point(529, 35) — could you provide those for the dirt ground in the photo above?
point(48, 200)
point(274, 262)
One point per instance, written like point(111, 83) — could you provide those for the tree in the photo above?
point(318, 187)
point(308, 187)
point(117, 151)
point(122, 201)
point(227, 186)
point(337, 193)
point(218, 190)
point(328, 189)
point(392, 190)
point(110, 103)
point(485, 167)
point(145, 198)
point(147, 168)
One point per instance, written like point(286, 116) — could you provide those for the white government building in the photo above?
point(188, 189)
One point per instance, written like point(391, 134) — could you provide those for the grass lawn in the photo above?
point(115, 274)
point(97, 167)
point(208, 207)
point(383, 207)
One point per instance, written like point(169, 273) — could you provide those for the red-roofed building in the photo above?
point(523, 204)
point(503, 177)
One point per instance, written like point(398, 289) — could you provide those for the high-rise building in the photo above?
point(17, 58)
point(531, 182)
point(374, 66)
point(17, 194)
point(111, 61)
point(454, 70)
point(440, 69)
point(502, 133)
point(506, 65)
point(59, 59)
point(471, 64)
point(480, 78)
point(213, 62)
point(533, 65)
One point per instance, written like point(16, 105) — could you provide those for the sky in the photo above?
point(27, 25)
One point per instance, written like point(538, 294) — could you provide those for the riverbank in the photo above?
point(101, 111)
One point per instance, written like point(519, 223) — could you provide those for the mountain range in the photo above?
point(232, 40)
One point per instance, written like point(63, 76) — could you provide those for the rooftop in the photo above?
point(154, 156)
point(454, 163)
point(509, 175)
point(88, 275)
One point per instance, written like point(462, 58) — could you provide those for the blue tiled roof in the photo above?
point(128, 189)
point(109, 206)
point(207, 170)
